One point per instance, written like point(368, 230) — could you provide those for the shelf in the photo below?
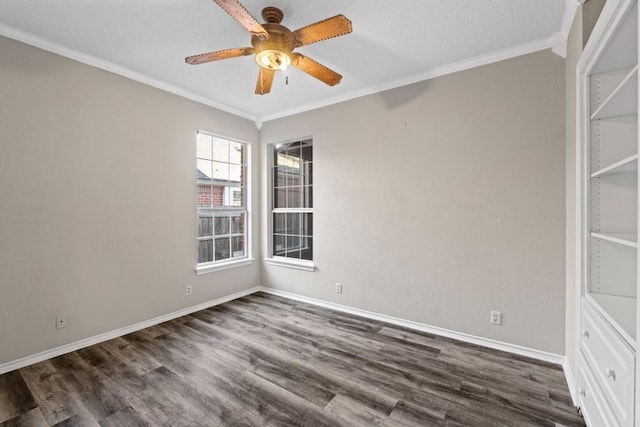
point(623, 100)
point(602, 85)
point(626, 239)
point(628, 165)
point(620, 311)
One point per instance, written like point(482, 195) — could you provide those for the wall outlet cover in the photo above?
point(62, 321)
point(496, 318)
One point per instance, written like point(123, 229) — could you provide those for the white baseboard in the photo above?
point(497, 345)
point(571, 381)
point(460, 336)
point(77, 345)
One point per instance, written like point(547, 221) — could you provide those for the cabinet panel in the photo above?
point(614, 203)
point(612, 362)
point(613, 269)
point(613, 140)
point(611, 94)
point(621, 101)
point(593, 404)
point(621, 49)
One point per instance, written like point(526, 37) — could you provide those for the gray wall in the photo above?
point(97, 194)
point(435, 202)
point(440, 201)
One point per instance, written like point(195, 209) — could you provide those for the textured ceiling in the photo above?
point(391, 43)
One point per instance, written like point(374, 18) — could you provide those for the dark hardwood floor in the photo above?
point(267, 361)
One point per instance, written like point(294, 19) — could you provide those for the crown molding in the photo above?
point(561, 38)
point(105, 65)
point(477, 61)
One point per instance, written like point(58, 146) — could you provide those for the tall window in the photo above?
point(221, 199)
point(293, 200)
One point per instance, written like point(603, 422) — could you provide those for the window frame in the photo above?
point(272, 259)
point(232, 262)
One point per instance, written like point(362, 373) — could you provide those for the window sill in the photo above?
point(223, 266)
point(295, 264)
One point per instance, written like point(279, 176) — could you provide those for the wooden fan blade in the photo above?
point(244, 18)
point(332, 27)
point(265, 79)
point(316, 69)
point(217, 55)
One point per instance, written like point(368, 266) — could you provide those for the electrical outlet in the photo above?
point(338, 288)
point(61, 321)
point(496, 318)
point(188, 290)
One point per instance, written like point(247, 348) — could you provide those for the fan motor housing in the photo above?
point(279, 39)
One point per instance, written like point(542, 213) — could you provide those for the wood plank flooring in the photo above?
point(267, 361)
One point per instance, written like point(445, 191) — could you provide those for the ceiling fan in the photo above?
point(273, 44)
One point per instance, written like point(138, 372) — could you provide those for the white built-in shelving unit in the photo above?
point(608, 237)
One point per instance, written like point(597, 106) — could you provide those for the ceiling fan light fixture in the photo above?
point(273, 44)
point(272, 59)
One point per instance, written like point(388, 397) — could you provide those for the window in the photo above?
point(292, 201)
point(221, 200)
